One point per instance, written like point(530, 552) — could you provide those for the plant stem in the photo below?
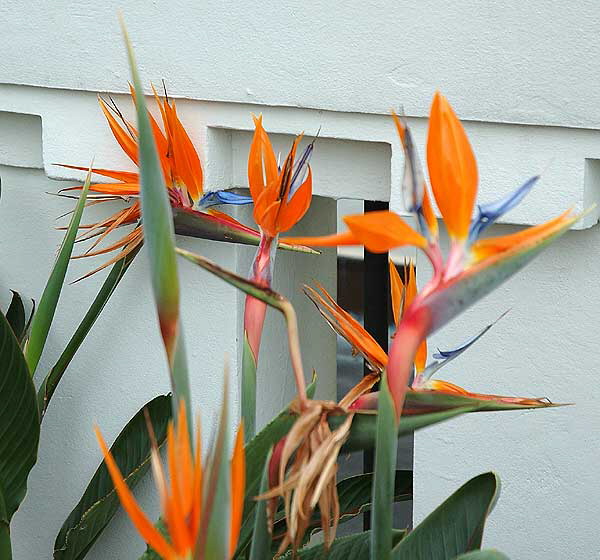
point(254, 320)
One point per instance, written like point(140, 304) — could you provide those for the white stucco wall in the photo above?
point(522, 77)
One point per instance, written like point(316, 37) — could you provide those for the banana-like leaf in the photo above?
point(355, 495)
point(256, 451)
point(353, 547)
point(100, 502)
point(42, 318)
point(53, 378)
point(456, 526)
point(5, 545)
point(261, 538)
point(19, 423)
point(192, 223)
point(159, 238)
point(15, 315)
point(363, 429)
point(487, 554)
point(385, 467)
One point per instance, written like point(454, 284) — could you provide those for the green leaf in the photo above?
point(422, 409)
point(354, 492)
point(256, 451)
point(385, 467)
point(192, 223)
point(261, 538)
point(488, 554)
point(353, 547)
point(214, 532)
point(363, 429)
point(19, 421)
point(15, 315)
point(418, 402)
point(42, 318)
point(248, 390)
point(456, 526)
point(100, 502)
point(53, 378)
point(159, 238)
point(5, 545)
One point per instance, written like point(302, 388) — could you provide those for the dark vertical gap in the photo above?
point(376, 303)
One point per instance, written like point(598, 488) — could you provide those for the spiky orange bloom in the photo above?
point(281, 196)
point(181, 496)
point(347, 326)
point(403, 293)
point(182, 173)
point(453, 172)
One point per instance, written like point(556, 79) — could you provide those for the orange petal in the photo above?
point(490, 246)
point(397, 292)
point(122, 136)
point(125, 176)
point(196, 513)
point(136, 240)
point(452, 168)
point(383, 230)
point(349, 328)
point(333, 240)
point(447, 387)
point(262, 165)
point(184, 461)
point(238, 485)
point(411, 294)
point(175, 516)
point(139, 519)
point(429, 214)
point(186, 163)
point(294, 210)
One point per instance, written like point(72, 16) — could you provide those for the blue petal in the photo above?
point(300, 170)
point(442, 357)
point(413, 183)
point(487, 214)
point(214, 198)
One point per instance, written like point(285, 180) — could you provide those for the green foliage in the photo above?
point(456, 526)
point(248, 396)
point(19, 427)
point(159, 237)
point(487, 554)
point(54, 377)
point(261, 538)
point(42, 318)
point(383, 483)
point(17, 318)
point(353, 547)
point(99, 502)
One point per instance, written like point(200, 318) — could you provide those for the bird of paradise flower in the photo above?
point(473, 267)
point(282, 196)
point(193, 208)
point(187, 497)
